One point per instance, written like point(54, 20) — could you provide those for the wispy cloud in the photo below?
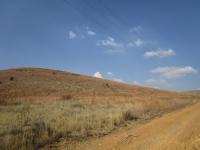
point(115, 51)
point(112, 46)
point(135, 29)
point(159, 82)
point(160, 53)
point(72, 35)
point(174, 72)
point(119, 80)
point(136, 43)
point(98, 75)
point(110, 73)
point(109, 41)
point(91, 33)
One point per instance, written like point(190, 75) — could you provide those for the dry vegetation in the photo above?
point(46, 84)
point(30, 125)
point(39, 106)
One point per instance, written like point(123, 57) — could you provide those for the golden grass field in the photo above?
point(40, 106)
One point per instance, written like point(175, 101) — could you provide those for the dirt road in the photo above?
point(178, 130)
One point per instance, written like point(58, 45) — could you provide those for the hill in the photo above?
point(37, 83)
point(40, 106)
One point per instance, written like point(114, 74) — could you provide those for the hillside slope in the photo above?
point(37, 83)
point(40, 106)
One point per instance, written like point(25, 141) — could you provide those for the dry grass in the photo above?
point(30, 125)
point(46, 84)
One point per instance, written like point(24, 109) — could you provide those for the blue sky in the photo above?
point(152, 43)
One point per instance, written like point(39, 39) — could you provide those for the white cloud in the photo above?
point(136, 43)
point(72, 35)
point(160, 53)
point(91, 33)
point(109, 41)
point(110, 73)
point(158, 82)
point(174, 72)
point(98, 75)
point(112, 46)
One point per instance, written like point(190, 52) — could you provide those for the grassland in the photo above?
point(31, 125)
point(40, 106)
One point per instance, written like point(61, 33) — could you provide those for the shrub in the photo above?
point(12, 78)
point(67, 97)
point(107, 85)
point(130, 115)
